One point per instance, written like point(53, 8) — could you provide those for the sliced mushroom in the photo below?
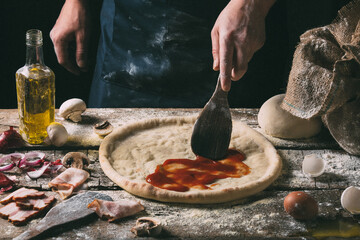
point(57, 134)
point(72, 109)
point(76, 160)
point(147, 226)
point(103, 129)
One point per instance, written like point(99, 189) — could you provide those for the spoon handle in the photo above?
point(220, 94)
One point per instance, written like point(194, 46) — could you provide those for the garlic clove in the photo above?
point(147, 226)
point(57, 134)
point(350, 199)
point(313, 165)
point(103, 129)
point(72, 109)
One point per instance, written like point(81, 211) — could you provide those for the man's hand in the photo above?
point(238, 33)
point(70, 36)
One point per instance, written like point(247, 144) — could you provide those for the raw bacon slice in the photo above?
point(8, 198)
point(16, 215)
point(24, 204)
point(115, 210)
point(8, 210)
point(67, 181)
point(29, 193)
point(36, 204)
point(22, 216)
point(22, 193)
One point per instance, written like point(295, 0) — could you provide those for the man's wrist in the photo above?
point(262, 7)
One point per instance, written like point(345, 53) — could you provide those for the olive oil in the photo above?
point(338, 228)
point(35, 86)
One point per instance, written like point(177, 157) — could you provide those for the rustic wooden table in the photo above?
point(259, 216)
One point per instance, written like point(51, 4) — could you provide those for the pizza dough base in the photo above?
point(132, 152)
point(277, 122)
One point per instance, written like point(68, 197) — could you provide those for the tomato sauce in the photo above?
point(182, 174)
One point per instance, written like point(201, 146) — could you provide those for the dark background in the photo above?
point(17, 16)
point(285, 22)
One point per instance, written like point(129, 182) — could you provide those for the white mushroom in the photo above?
point(57, 134)
point(75, 160)
point(350, 200)
point(72, 109)
point(147, 226)
point(313, 165)
point(103, 129)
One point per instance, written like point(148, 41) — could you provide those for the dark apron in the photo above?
point(155, 53)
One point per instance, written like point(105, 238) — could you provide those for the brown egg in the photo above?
point(300, 206)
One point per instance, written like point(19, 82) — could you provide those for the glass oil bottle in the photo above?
point(35, 86)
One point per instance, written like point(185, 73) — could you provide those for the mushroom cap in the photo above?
point(72, 109)
point(75, 160)
point(147, 226)
point(104, 128)
point(57, 134)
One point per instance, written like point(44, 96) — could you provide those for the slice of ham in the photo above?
point(115, 210)
point(36, 204)
point(21, 194)
point(67, 181)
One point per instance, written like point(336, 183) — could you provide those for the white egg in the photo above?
point(350, 200)
point(313, 165)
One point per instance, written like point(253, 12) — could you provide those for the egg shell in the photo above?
point(300, 206)
point(313, 165)
point(350, 200)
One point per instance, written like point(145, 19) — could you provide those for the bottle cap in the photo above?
point(34, 37)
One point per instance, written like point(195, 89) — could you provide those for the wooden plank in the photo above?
point(342, 171)
point(259, 216)
point(81, 134)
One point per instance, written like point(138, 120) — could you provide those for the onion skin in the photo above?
point(7, 167)
point(10, 139)
point(38, 173)
point(15, 158)
point(22, 162)
point(46, 168)
point(25, 162)
point(5, 183)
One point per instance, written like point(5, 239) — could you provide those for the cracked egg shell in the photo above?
point(301, 206)
point(350, 199)
point(313, 165)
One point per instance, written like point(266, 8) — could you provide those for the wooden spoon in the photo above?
point(212, 130)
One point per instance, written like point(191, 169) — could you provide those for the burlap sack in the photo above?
point(325, 77)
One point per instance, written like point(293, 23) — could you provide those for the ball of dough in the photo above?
point(277, 122)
